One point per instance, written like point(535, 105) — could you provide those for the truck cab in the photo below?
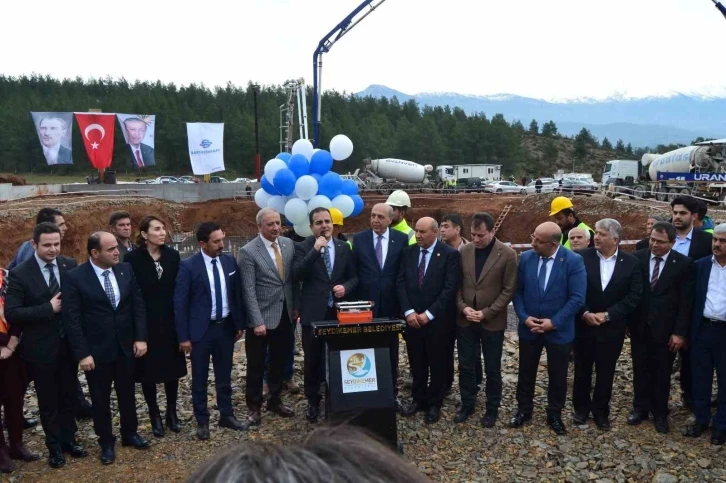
point(618, 170)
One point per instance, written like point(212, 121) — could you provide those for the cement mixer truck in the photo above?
point(699, 170)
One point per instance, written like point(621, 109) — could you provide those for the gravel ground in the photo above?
point(443, 451)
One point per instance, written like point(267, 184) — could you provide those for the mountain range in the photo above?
point(677, 118)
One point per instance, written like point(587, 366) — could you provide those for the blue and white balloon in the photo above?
point(299, 165)
point(321, 162)
point(306, 187)
point(284, 156)
point(341, 147)
point(268, 187)
point(358, 205)
point(349, 187)
point(296, 210)
point(277, 203)
point(319, 201)
point(261, 198)
point(330, 184)
point(284, 181)
point(345, 204)
point(304, 147)
point(273, 166)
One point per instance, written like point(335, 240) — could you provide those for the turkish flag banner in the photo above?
point(97, 134)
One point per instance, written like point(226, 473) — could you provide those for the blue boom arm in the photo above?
point(720, 7)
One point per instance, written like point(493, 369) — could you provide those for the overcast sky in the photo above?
point(538, 48)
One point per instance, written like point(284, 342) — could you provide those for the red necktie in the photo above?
point(139, 161)
point(656, 272)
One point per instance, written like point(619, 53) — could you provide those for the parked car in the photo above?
point(472, 185)
point(548, 186)
point(575, 186)
point(217, 179)
point(502, 187)
point(244, 180)
point(190, 179)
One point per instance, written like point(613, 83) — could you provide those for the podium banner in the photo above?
point(206, 147)
point(54, 133)
point(358, 370)
point(138, 130)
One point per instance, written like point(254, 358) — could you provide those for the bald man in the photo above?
point(428, 281)
point(551, 290)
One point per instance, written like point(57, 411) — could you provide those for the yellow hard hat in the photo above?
point(399, 198)
point(337, 216)
point(560, 203)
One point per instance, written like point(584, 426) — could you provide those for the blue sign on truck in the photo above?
point(702, 177)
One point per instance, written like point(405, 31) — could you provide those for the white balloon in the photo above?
point(345, 204)
point(319, 201)
point(296, 210)
point(272, 167)
point(306, 187)
point(341, 147)
point(303, 229)
point(304, 147)
point(277, 203)
point(262, 197)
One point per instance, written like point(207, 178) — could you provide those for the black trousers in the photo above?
point(217, 343)
point(708, 355)
point(558, 358)
point(55, 386)
point(603, 357)
point(429, 356)
point(472, 341)
point(652, 365)
point(313, 370)
point(120, 374)
point(686, 374)
point(277, 340)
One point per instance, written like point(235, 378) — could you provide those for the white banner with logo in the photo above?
point(358, 370)
point(138, 130)
point(206, 147)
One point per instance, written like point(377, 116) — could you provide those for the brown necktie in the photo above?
point(656, 272)
point(278, 261)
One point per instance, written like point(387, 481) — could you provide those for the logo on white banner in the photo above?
point(358, 370)
point(206, 141)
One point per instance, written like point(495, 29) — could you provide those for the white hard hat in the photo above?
point(399, 198)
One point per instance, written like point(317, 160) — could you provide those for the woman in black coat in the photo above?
point(155, 266)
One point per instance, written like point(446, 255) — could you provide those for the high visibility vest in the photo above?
point(406, 230)
point(566, 244)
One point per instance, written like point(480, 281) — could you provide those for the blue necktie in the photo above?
point(217, 290)
point(329, 268)
point(542, 277)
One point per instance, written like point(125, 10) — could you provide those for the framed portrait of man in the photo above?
point(138, 130)
point(54, 133)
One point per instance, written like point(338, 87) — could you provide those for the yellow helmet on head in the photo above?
point(336, 216)
point(560, 203)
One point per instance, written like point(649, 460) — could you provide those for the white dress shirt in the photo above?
point(102, 280)
point(607, 267)
point(429, 252)
point(662, 265)
point(44, 271)
point(51, 154)
point(271, 251)
point(550, 264)
point(716, 295)
point(223, 281)
point(386, 237)
point(683, 245)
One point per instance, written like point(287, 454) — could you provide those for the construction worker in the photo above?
point(566, 217)
point(703, 222)
point(337, 219)
point(400, 202)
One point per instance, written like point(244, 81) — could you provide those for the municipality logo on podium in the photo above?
point(358, 370)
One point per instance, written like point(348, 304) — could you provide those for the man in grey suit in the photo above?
point(266, 265)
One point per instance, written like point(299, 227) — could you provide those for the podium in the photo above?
point(358, 375)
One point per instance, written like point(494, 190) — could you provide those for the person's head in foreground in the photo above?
point(328, 455)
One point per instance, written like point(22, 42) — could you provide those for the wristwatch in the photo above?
point(607, 317)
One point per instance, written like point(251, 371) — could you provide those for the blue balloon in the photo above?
point(349, 187)
point(267, 186)
point(285, 181)
point(299, 165)
point(284, 156)
point(321, 162)
point(330, 184)
point(357, 205)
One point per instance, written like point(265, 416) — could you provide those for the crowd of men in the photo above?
point(576, 294)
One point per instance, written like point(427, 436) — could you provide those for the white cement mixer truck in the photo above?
point(699, 170)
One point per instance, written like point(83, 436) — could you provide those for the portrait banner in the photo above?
point(138, 130)
point(358, 370)
point(54, 133)
point(206, 147)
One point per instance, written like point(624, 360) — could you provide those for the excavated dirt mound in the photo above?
point(12, 179)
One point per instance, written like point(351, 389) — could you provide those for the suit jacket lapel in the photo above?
point(339, 247)
point(39, 278)
point(592, 263)
point(557, 263)
point(491, 260)
point(369, 247)
point(122, 276)
point(433, 261)
point(262, 251)
point(95, 282)
point(468, 264)
point(203, 268)
point(617, 271)
point(666, 270)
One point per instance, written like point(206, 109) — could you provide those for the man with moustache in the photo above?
point(142, 154)
point(120, 225)
point(325, 269)
point(104, 318)
point(33, 303)
point(51, 131)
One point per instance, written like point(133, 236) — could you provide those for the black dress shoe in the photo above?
point(490, 418)
point(519, 419)
point(29, 423)
point(432, 415)
point(230, 422)
point(157, 425)
point(603, 423)
point(281, 410)
point(718, 438)
point(463, 413)
point(108, 455)
point(203, 432)
point(555, 422)
point(172, 422)
point(695, 430)
point(661, 425)
point(312, 412)
point(20, 452)
point(637, 417)
point(56, 458)
point(6, 464)
point(136, 441)
point(74, 449)
point(578, 419)
point(413, 408)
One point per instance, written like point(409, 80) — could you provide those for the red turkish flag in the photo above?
point(97, 133)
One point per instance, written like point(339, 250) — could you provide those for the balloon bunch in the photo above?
point(295, 184)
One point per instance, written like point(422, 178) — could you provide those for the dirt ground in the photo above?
point(87, 214)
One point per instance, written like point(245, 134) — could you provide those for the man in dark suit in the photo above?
point(661, 326)
point(614, 289)
point(33, 304)
point(209, 318)
point(142, 155)
point(652, 219)
point(325, 267)
point(708, 338)
point(695, 244)
point(104, 318)
point(551, 286)
point(428, 280)
point(377, 254)
point(51, 131)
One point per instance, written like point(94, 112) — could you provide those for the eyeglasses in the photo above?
point(537, 241)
